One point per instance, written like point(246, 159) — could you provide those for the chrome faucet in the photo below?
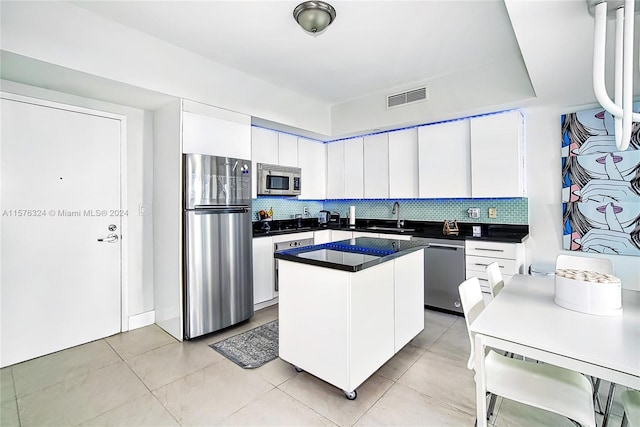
point(396, 210)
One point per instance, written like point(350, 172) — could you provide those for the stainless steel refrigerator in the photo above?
point(217, 255)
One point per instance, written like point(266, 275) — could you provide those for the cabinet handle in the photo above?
point(488, 249)
point(486, 265)
point(483, 280)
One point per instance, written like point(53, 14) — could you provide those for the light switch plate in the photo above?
point(493, 213)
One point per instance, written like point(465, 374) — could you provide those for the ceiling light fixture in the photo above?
point(314, 16)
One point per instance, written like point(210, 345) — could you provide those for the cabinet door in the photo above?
point(366, 234)
point(335, 170)
point(264, 145)
point(312, 159)
point(323, 236)
point(353, 169)
point(262, 269)
point(264, 149)
point(340, 235)
point(444, 160)
point(287, 150)
point(208, 135)
point(403, 164)
point(376, 166)
point(497, 165)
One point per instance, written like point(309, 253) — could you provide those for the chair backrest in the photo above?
point(601, 265)
point(472, 306)
point(496, 283)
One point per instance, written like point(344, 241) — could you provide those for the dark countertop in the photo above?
point(507, 233)
point(351, 255)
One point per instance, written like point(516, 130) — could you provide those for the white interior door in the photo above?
point(60, 193)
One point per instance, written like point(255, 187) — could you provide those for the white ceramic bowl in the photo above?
point(603, 299)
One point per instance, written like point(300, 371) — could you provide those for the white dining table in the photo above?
point(523, 319)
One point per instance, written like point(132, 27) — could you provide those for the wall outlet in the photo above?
point(474, 212)
point(305, 211)
point(493, 213)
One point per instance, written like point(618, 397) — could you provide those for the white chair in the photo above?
point(631, 405)
point(494, 275)
point(601, 265)
point(540, 385)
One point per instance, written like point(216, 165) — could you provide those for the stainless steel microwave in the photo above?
point(275, 180)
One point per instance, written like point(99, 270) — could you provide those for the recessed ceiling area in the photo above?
point(372, 46)
point(252, 57)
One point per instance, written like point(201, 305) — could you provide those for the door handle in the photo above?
point(111, 238)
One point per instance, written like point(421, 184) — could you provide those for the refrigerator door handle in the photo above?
point(203, 209)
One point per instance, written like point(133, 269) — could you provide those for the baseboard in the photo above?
point(142, 319)
point(265, 304)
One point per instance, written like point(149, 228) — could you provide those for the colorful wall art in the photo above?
point(600, 186)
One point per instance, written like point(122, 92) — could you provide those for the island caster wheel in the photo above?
point(351, 395)
point(297, 369)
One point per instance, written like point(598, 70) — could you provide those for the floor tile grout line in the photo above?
point(72, 377)
point(304, 404)
point(15, 394)
point(376, 401)
point(249, 403)
point(125, 403)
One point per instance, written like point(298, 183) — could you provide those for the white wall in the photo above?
point(139, 188)
point(544, 176)
point(450, 96)
point(60, 33)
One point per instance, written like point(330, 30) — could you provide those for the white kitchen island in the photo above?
point(347, 307)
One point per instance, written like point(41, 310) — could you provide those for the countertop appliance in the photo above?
point(275, 180)
point(326, 218)
point(323, 217)
point(281, 246)
point(444, 270)
point(217, 254)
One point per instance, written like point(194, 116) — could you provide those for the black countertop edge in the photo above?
point(507, 233)
point(388, 249)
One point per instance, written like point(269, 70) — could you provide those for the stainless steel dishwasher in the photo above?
point(444, 270)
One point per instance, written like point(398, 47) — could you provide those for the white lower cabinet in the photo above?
point(262, 269)
point(342, 326)
point(479, 254)
point(395, 236)
point(322, 236)
point(365, 234)
point(340, 235)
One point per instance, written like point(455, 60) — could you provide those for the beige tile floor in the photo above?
point(147, 378)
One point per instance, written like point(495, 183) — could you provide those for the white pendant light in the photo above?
point(314, 16)
point(622, 106)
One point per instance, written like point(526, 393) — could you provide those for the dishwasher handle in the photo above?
point(445, 247)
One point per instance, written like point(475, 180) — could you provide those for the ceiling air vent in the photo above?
point(409, 97)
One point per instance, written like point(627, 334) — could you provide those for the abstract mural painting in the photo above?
point(600, 186)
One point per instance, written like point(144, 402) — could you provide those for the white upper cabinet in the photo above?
point(376, 166)
point(444, 160)
point(264, 149)
point(353, 168)
point(287, 150)
point(335, 170)
point(312, 159)
point(215, 131)
point(403, 164)
point(497, 163)
point(264, 146)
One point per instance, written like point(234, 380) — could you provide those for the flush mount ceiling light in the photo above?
point(314, 16)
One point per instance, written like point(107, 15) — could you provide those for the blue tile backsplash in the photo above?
point(509, 210)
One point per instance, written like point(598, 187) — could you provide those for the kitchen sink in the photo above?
point(399, 230)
